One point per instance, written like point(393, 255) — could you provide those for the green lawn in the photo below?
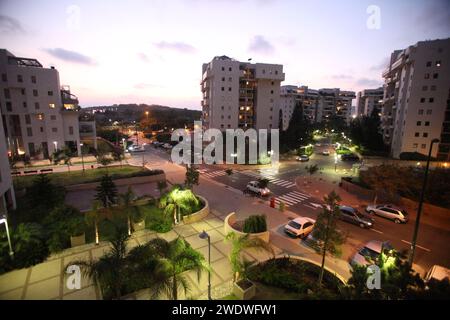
point(78, 177)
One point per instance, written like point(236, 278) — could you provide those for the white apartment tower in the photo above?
point(416, 99)
point(291, 96)
point(335, 103)
point(39, 116)
point(240, 94)
point(369, 99)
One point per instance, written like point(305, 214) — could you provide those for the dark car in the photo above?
point(349, 157)
point(351, 215)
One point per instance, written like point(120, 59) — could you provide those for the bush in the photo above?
point(255, 224)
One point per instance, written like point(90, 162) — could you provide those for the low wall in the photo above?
point(199, 215)
point(231, 219)
point(120, 182)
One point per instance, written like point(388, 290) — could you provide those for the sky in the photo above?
point(152, 51)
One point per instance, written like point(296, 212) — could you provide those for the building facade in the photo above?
point(240, 94)
point(367, 100)
point(415, 100)
point(39, 116)
point(7, 197)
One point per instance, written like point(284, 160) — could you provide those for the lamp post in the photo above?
point(419, 209)
point(205, 235)
point(82, 158)
point(5, 221)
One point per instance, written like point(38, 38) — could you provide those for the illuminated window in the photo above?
point(51, 105)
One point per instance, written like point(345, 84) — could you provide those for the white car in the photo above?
point(303, 158)
point(300, 227)
point(167, 146)
point(388, 211)
point(326, 152)
point(136, 148)
point(369, 254)
point(253, 186)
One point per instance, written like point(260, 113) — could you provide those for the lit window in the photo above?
point(51, 105)
point(438, 63)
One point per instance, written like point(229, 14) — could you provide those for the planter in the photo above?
point(77, 240)
point(137, 226)
point(199, 215)
point(244, 289)
point(230, 220)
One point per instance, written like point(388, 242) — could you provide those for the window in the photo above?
point(223, 68)
point(424, 88)
point(40, 116)
point(230, 79)
point(420, 111)
point(8, 106)
point(22, 91)
point(271, 100)
point(42, 129)
point(71, 130)
point(422, 100)
point(223, 78)
point(223, 88)
point(271, 91)
point(7, 94)
point(221, 126)
point(415, 145)
point(273, 82)
point(229, 126)
point(427, 123)
point(276, 71)
point(435, 75)
point(423, 146)
point(4, 77)
point(51, 105)
point(27, 119)
point(433, 88)
point(417, 134)
point(24, 104)
point(52, 117)
point(431, 100)
point(229, 88)
point(427, 76)
point(438, 63)
point(221, 117)
point(264, 71)
point(419, 123)
point(229, 117)
point(229, 69)
point(425, 135)
point(50, 93)
point(33, 79)
point(29, 132)
point(54, 129)
point(35, 92)
point(222, 107)
point(428, 63)
point(19, 78)
point(37, 106)
point(429, 111)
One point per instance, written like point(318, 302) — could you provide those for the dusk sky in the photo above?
point(152, 51)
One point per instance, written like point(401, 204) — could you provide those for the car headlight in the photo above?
point(369, 223)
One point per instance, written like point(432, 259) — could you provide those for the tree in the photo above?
point(63, 155)
point(312, 169)
point(118, 154)
point(263, 182)
point(239, 243)
point(364, 131)
point(192, 176)
point(229, 172)
point(94, 216)
point(174, 258)
point(126, 200)
point(328, 238)
point(298, 133)
point(106, 192)
point(161, 185)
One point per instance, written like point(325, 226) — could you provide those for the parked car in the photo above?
point(299, 227)
point(326, 153)
point(136, 148)
point(369, 253)
point(389, 211)
point(349, 157)
point(351, 215)
point(167, 146)
point(254, 187)
point(438, 273)
point(303, 158)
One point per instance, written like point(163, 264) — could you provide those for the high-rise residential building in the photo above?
point(416, 99)
point(7, 197)
point(240, 94)
point(335, 103)
point(39, 116)
point(367, 100)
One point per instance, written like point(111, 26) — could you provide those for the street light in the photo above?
point(335, 162)
point(5, 221)
point(419, 209)
point(82, 158)
point(204, 235)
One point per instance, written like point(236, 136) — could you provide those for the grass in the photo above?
point(78, 177)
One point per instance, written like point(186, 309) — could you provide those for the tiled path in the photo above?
point(47, 280)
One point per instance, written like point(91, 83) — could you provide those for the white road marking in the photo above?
point(423, 248)
point(314, 208)
point(377, 231)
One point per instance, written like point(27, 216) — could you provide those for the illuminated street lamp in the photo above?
point(419, 209)
point(204, 235)
point(55, 143)
point(82, 158)
point(5, 221)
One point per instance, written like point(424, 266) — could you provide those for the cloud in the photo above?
point(260, 45)
point(342, 76)
point(143, 57)
point(10, 25)
point(175, 46)
point(369, 82)
point(70, 56)
point(143, 85)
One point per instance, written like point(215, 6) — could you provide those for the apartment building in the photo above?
point(240, 94)
point(367, 100)
point(415, 106)
point(335, 103)
point(291, 96)
point(39, 116)
point(7, 197)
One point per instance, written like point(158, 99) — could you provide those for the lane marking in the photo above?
point(377, 231)
point(423, 248)
point(314, 208)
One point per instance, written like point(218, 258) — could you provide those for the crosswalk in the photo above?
point(270, 176)
point(212, 174)
point(292, 198)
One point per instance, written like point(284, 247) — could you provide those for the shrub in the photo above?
point(255, 224)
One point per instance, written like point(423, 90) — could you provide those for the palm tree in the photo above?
point(174, 258)
point(239, 243)
point(94, 216)
point(126, 200)
point(106, 191)
point(108, 272)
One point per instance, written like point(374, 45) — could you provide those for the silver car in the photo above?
point(388, 211)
